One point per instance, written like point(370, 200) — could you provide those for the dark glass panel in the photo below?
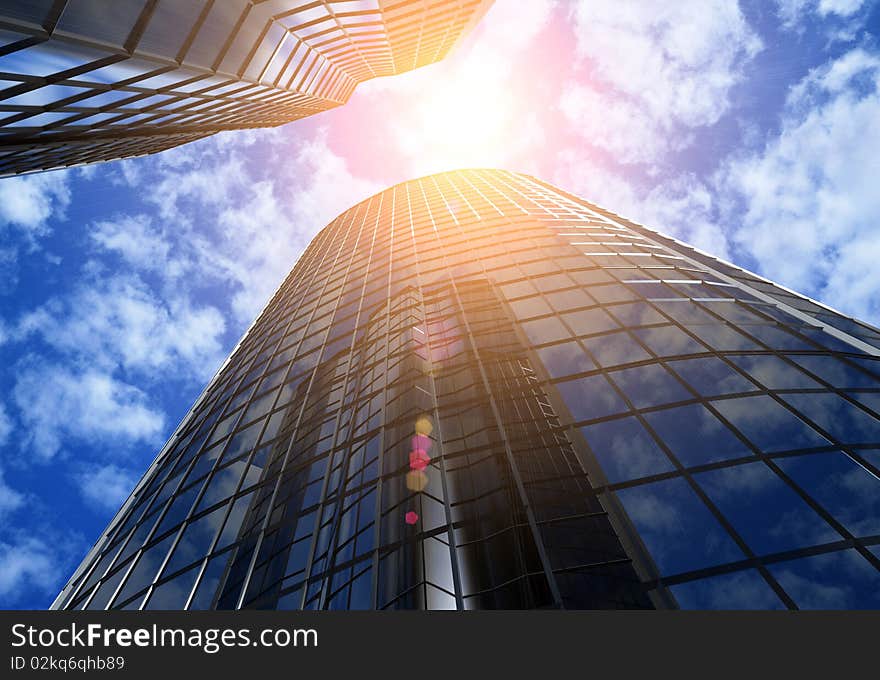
point(565, 359)
point(774, 373)
point(591, 397)
point(711, 377)
point(837, 580)
point(843, 487)
point(695, 435)
point(668, 341)
point(613, 349)
point(589, 321)
point(625, 450)
point(677, 528)
point(738, 590)
point(842, 420)
point(766, 512)
point(650, 385)
point(768, 424)
point(545, 330)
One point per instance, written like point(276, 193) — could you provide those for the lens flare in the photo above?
point(424, 426)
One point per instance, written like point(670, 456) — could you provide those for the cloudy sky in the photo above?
point(751, 130)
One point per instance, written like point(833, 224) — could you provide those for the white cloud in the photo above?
point(810, 196)
point(265, 234)
point(30, 201)
point(119, 321)
point(473, 108)
point(27, 562)
point(58, 403)
point(792, 12)
point(137, 242)
point(654, 71)
point(105, 486)
point(251, 226)
point(683, 206)
point(10, 499)
point(5, 425)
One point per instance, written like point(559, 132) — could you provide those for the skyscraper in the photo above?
point(91, 80)
point(475, 391)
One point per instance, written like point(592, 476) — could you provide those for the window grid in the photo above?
point(453, 351)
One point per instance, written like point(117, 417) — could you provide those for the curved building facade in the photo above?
point(93, 80)
point(476, 391)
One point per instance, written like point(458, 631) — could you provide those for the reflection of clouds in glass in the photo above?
point(172, 593)
point(569, 299)
point(615, 348)
point(668, 341)
point(836, 372)
point(625, 450)
point(649, 512)
point(844, 488)
point(776, 337)
point(591, 397)
point(565, 359)
point(774, 373)
point(711, 377)
point(739, 590)
point(838, 580)
point(695, 435)
point(589, 321)
point(48, 58)
point(545, 330)
point(766, 512)
point(650, 385)
point(636, 314)
point(769, 425)
point(685, 312)
point(676, 527)
point(844, 421)
point(731, 482)
point(195, 540)
point(722, 338)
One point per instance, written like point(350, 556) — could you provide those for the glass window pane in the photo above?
point(769, 425)
point(836, 372)
point(677, 528)
point(776, 337)
point(615, 348)
point(842, 420)
point(739, 590)
point(766, 512)
point(545, 330)
point(625, 450)
point(669, 341)
point(589, 321)
point(842, 486)
point(195, 541)
point(774, 373)
point(591, 397)
point(637, 314)
point(174, 593)
point(723, 338)
point(695, 435)
point(529, 307)
point(565, 359)
point(650, 385)
point(837, 580)
point(711, 377)
point(570, 299)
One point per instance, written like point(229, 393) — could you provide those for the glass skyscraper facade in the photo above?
point(476, 391)
point(93, 80)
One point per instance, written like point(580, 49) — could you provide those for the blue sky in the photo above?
point(749, 130)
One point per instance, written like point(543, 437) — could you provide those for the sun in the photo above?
point(464, 120)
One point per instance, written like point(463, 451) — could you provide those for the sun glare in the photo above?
point(462, 121)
